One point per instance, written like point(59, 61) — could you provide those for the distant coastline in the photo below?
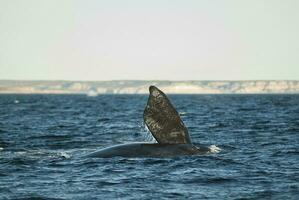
point(141, 87)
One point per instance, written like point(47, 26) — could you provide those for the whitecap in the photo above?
point(64, 155)
point(92, 93)
point(214, 149)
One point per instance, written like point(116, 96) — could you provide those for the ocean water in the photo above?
point(43, 139)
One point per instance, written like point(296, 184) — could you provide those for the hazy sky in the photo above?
point(156, 39)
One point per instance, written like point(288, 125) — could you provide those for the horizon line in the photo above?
point(111, 80)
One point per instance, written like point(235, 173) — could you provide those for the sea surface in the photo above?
point(44, 138)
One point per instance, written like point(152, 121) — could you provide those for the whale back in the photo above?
point(149, 150)
point(163, 120)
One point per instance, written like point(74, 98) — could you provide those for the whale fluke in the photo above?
point(166, 126)
point(163, 120)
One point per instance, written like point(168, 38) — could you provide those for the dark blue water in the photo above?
point(42, 139)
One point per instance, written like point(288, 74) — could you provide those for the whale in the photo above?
point(166, 126)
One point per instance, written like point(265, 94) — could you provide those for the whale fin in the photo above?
point(163, 120)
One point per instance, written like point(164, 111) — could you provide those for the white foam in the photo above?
point(1, 148)
point(16, 101)
point(64, 155)
point(92, 93)
point(214, 149)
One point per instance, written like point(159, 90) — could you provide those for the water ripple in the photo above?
point(43, 140)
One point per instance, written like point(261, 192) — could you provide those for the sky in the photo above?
point(149, 40)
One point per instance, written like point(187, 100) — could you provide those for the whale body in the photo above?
point(150, 150)
point(166, 126)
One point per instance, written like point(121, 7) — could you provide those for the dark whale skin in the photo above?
point(149, 150)
point(165, 125)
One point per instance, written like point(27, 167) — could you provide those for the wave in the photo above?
point(214, 149)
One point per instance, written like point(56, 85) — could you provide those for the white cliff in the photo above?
point(141, 87)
